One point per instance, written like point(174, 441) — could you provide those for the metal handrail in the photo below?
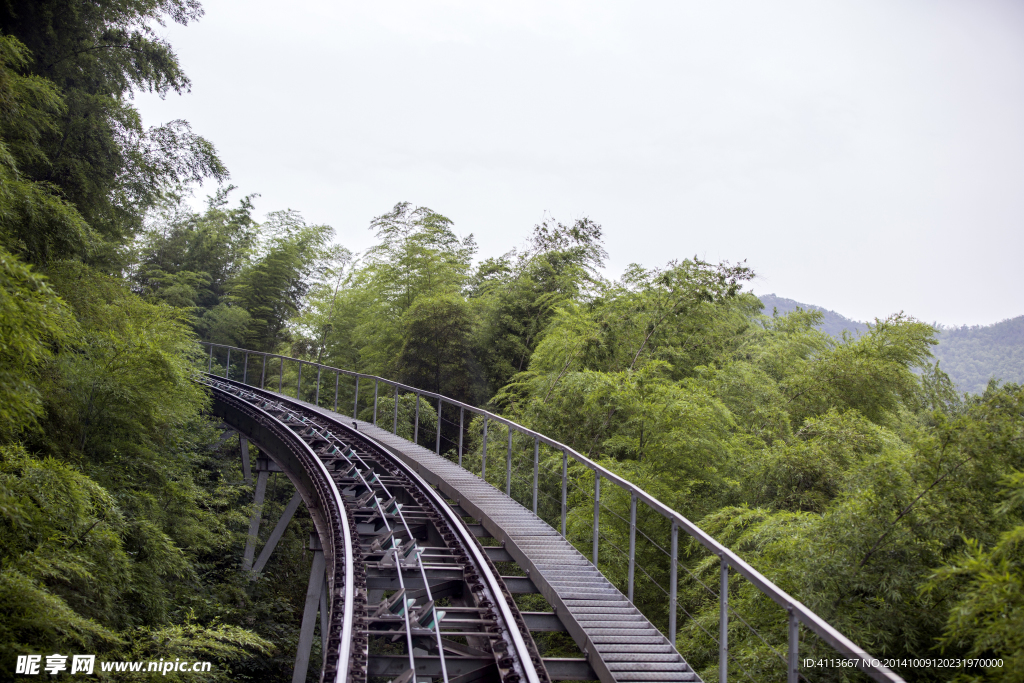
point(798, 613)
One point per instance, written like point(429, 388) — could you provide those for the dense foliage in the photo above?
point(847, 469)
point(122, 518)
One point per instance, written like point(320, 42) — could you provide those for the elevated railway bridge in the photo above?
point(402, 583)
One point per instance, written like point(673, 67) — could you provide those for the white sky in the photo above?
point(862, 155)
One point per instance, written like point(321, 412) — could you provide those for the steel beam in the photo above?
point(543, 621)
point(254, 522)
point(313, 592)
point(569, 669)
point(393, 666)
point(275, 536)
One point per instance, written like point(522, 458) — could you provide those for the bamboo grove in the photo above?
point(849, 471)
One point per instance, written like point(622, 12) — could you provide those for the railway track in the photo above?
point(358, 472)
point(412, 595)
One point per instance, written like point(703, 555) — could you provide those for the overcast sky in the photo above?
point(862, 155)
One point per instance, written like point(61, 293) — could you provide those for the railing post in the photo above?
point(416, 425)
point(536, 470)
point(355, 402)
point(263, 371)
point(394, 426)
point(437, 449)
point(337, 380)
point(723, 622)
point(597, 513)
point(483, 461)
point(673, 584)
point(280, 377)
point(376, 384)
point(209, 368)
point(793, 675)
point(227, 365)
point(319, 369)
point(298, 385)
point(632, 542)
point(565, 487)
point(462, 415)
point(245, 368)
point(508, 466)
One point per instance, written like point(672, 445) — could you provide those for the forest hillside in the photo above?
point(974, 355)
point(971, 356)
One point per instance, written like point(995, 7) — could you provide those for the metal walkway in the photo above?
point(620, 643)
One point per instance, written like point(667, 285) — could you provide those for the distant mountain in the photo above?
point(969, 355)
point(833, 323)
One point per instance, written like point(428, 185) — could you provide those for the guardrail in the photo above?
point(797, 613)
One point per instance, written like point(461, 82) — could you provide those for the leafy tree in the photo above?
point(521, 291)
point(35, 221)
point(872, 374)
point(120, 529)
point(987, 619)
point(32, 318)
point(437, 352)
point(326, 322)
point(97, 153)
point(189, 259)
point(418, 255)
point(289, 258)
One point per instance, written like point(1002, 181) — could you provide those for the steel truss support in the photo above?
point(254, 522)
point(316, 600)
point(275, 536)
point(264, 466)
point(225, 435)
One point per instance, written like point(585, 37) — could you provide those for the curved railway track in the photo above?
point(387, 513)
point(411, 594)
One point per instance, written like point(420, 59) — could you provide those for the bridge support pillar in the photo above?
point(246, 470)
point(316, 600)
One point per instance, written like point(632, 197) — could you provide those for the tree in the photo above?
point(419, 254)
point(189, 259)
point(32, 320)
point(98, 154)
point(289, 258)
point(987, 618)
point(521, 291)
point(872, 374)
point(437, 352)
point(35, 221)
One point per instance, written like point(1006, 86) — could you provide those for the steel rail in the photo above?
point(321, 476)
point(401, 581)
point(480, 559)
point(398, 573)
point(322, 425)
point(795, 610)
